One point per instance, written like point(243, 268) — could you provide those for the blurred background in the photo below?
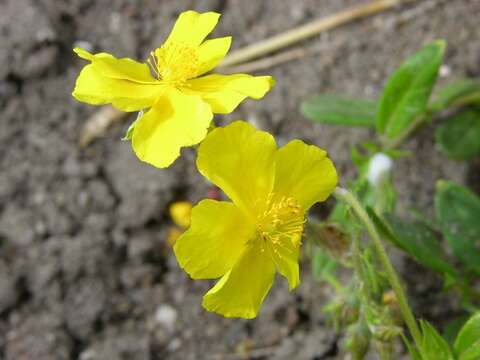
point(86, 272)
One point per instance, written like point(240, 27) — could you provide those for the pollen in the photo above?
point(281, 221)
point(174, 63)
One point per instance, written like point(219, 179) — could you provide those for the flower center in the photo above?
point(174, 63)
point(281, 221)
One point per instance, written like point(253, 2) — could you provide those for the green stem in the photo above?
point(357, 265)
point(349, 198)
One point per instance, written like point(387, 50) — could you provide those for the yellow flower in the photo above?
point(244, 242)
point(180, 104)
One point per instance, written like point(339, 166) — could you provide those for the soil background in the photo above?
point(85, 272)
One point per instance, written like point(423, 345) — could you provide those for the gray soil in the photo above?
point(85, 272)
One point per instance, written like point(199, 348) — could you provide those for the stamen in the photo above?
point(281, 222)
point(152, 62)
point(175, 63)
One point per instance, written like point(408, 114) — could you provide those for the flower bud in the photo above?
point(379, 168)
point(358, 340)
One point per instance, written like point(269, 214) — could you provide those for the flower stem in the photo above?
point(347, 197)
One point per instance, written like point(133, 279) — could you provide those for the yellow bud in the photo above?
point(180, 213)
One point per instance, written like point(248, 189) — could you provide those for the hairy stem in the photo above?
point(347, 197)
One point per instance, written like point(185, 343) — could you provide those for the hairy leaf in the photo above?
point(457, 211)
point(467, 344)
point(462, 91)
point(433, 345)
point(459, 136)
point(339, 110)
point(407, 91)
point(417, 240)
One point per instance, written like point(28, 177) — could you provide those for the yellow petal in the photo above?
point(285, 257)
point(82, 53)
point(94, 88)
point(176, 120)
point(225, 92)
point(240, 160)
point(192, 27)
point(304, 173)
point(125, 68)
point(214, 241)
point(212, 52)
point(241, 291)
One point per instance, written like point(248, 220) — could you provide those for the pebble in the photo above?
point(166, 316)
point(445, 71)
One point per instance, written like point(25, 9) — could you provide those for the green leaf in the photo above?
point(385, 197)
point(417, 240)
point(359, 160)
point(434, 347)
point(358, 339)
point(382, 197)
point(457, 210)
point(383, 227)
point(342, 216)
point(459, 136)
point(411, 349)
point(467, 344)
point(374, 281)
point(323, 266)
point(462, 91)
point(407, 91)
point(331, 109)
point(453, 327)
point(473, 353)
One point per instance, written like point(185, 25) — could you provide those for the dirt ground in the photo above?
point(85, 272)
